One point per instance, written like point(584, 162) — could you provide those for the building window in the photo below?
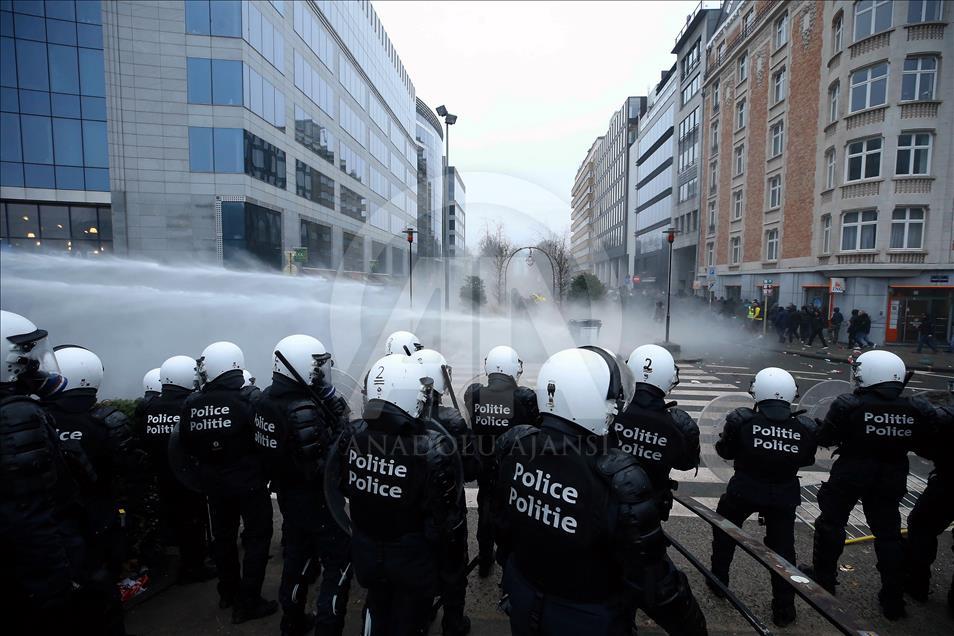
point(263, 98)
point(864, 159)
point(781, 31)
point(714, 137)
point(713, 176)
point(352, 249)
point(735, 249)
point(715, 98)
point(216, 150)
point(56, 228)
point(778, 138)
point(869, 87)
point(264, 161)
point(747, 22)
point(907, 228)
point(737, 204)
point(710, 254)
point(917, 79)
point(691, 59)
point(688, 136)
point(251, 231)
point(688, 190)
point(859, 230)
point(689, 90)
point(830, 169)
point(778, 86)
point(771, 245)
point(317, 239)
point(775, 192)
point(743, 67)
point(740, 114)
point(739, 159)
point(712, 215)
point(924, 11)
point(314, 136)
point(837, 29)
point(834, 93)
point(872, 16)
point(914, 154)
point(826, 234)
point(221, 17)
point(353, 204)
point(314, 186)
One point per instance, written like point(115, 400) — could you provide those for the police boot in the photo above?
point(485, 565)
point(715, 589)
point(917, 587)
point(828, 585)
point(297, 624)
point(783, 614)
point(260, 608)
point(892, 606)
point(455, 625)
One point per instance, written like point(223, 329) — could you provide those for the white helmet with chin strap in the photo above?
point(403, 342)
point(178, 371)
point(396, 380)
point(152, 380)
point(81, 367)
point(305, 354)
point(248, 378)
point(654, 365)
point(26, 357)
point(434, 364)
point(503, 360)
point(586, 386)
point(219, 358)
point(877, 367)
point(773, 383)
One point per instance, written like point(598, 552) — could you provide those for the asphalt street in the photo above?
point(714, 373)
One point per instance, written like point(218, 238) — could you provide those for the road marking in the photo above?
point(722, 366)
point(684, 403)
point(695, 392)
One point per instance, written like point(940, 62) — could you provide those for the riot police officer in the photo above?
point(454, 570)
point(873, 429)
point(493, 410)
point(577, 526)
point(249, 390)
point(106, 439)
point(217, 436)
point(403, 342)
point(36, 584)
point(933, 512)
point(660, 436)
point(151, 388)
point(294, 432)
point(394, 466)
point(182, 512)
point(768, 445)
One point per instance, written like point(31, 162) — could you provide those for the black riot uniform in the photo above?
point(768, 446)
point(182, 512)
point(36, 582)
point(217, 433)
point(578, 533)
point(454, 569)
point(494, 409)
point(933, 512)
point(106, 439)
point(873, 430)
point(660, 437)
point(294, 435)
point(394, 467)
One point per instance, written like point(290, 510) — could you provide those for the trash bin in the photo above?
point(585, 332)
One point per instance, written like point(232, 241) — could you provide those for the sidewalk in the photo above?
point(941, 362)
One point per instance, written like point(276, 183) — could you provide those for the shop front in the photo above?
point(908, 305)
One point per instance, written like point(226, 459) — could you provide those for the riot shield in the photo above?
point(183, 466)
point(711, 422)
point(349, 389)
point(337, 499)
point(817, 400)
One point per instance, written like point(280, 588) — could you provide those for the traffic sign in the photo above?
point(767, 290)
point(767, 281)
point(711, 271)
point(301, 255)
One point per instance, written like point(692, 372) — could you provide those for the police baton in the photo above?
point(440, 600)
point(445, 370)
point(320, 403)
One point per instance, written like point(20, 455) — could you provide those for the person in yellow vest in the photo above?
point(755, 315)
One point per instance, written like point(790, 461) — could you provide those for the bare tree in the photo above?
point(496, 246)
point(558, 247)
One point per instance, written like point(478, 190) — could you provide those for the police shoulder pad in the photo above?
point(624, 475)
point(810, 425)
point(740, 415)
point(683, 420)
point(513, 437)
point(110, 416)
point(302, 412)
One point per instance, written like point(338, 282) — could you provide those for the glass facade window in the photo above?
point(859, 230)
point(398, 259)
point(314, 136)
point(352, 248)
point(251, 235)
point(215, 17)
point(354, 204)
point(309, 29)
point(57, 228)
point(907, 229)
point(310, 82)
point(52, 89)
point(379, 258)
point(924, 11)
point(918, 78)
point(351, 163)
point(214, 81)
point(264, 161)
point(317, 238)
point(314, 186)
point(869, 87)
point(264, 99)
point(352, 81)
point(215, 149)
point(352, 123)
point(258, 30)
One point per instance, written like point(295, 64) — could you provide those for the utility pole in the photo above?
point(670, 237)
point(410, 265)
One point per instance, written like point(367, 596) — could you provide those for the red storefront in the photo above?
point(907, 304)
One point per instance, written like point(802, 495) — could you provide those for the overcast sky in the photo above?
point(533, 84)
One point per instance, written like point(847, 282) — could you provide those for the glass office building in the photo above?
point(223, 131)
point(430, 182)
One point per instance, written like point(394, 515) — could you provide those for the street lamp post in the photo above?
point(410, 232)
point(449, 120)
point(670, 237)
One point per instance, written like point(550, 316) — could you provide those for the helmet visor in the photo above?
point(39, 371)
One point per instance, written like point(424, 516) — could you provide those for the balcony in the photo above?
point(863, 189)
point(762, 8)
point(925, 31)
point(919, 110)
point(870, 43)
point(858, 258)
point(906, 258)
point(913, 185)
point(865, 117)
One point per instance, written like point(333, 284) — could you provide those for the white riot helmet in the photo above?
point(218, 358)
point(654, 365)
point(773, 383)
point(248, 378)
point(396, 380)
point(403, 342)
point(434, 364)
point(305, 354)
point(877, 367)
point(81, 367)
point(152, 382)
point(503, 360)
point(178, 371)
point(586, 386)
point(27, 358)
